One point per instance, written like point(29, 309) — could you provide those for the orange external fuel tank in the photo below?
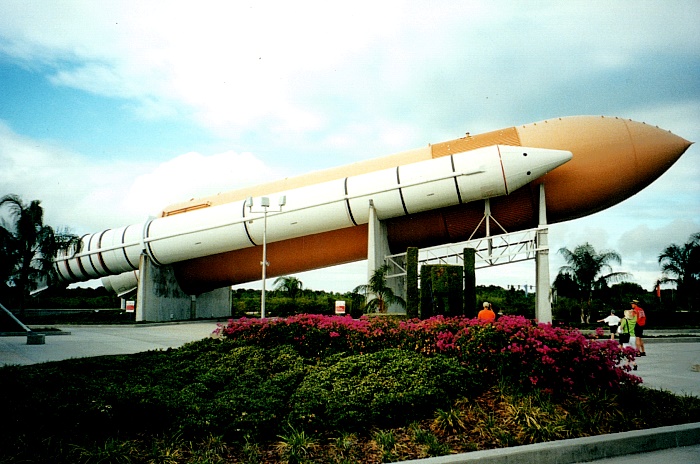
point(613, 159)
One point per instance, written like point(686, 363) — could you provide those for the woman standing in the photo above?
point(627, 333)
point(613, 322)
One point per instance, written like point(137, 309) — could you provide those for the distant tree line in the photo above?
point(583, 292)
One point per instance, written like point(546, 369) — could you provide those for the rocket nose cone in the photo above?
point(655, 149)
point(613, 159)
point(522, 165)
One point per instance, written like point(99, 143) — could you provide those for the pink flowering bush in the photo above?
point(513, 349)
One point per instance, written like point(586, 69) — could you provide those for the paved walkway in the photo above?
point(668, 366)
point(682, 455)
point(82, 341)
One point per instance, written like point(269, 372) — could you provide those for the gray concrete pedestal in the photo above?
point(34, 338)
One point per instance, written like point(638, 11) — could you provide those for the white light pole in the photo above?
point(265, 203)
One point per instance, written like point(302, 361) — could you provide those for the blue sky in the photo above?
point(111, 110)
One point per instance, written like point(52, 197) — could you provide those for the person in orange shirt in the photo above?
point(486, 314)
point(639, 327)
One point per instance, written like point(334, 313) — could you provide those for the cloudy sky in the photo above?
point(111, 110)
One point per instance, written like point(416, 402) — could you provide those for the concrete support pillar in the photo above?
point(543, 305)
point(377, 243)
point(159, 297)
point(377, 251)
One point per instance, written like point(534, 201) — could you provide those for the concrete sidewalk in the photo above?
point(667, 366)
point(83, 341)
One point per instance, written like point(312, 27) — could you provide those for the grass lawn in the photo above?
point(332, 390)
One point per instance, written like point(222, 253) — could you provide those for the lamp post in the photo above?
point(265, 204)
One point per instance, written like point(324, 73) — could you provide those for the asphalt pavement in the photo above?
point(671, 364)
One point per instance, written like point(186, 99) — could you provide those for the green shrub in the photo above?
point(386, 442)
point(296, 446)
point(217, 398)
point(251, 389)
point(384, 388)
point(430, 444)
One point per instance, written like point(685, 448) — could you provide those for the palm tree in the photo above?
point(383, 295)
point(8, 257)
point(291, 285)
point(681, 266)
point(29, 247)
point(590, 271)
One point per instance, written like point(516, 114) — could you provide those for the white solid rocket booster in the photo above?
point(403, 190)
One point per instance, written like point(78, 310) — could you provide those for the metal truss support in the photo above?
point(494, 250)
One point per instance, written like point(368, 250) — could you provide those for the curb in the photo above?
point(24, 334)
point(578, 450)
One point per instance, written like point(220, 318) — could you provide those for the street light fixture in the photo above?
point(265, 204)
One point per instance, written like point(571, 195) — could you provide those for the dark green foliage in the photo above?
point(470, 306)
point(379, 295)
point(284, 306)
point(412, 290)
point(28, 247)
point(509, 301)
point(73, 306)
point(566, 286)
point(382, 389)
point(48, 318)
point(221, 400)
point(441, 291)
point(213, 387)
point(588, 273)
point(246, 302)
point(568, 310)
point(204, 387)
point(680, 265)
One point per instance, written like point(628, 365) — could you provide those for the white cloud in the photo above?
point(238, 65)
point(642, 244)
point(60, 179)
point(87, 195)
point(232, 63)
point(194, 175)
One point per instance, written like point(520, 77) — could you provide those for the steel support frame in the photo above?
point(495, 250)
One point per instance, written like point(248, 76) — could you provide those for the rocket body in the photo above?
point(427, 196)
point(313, 209)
